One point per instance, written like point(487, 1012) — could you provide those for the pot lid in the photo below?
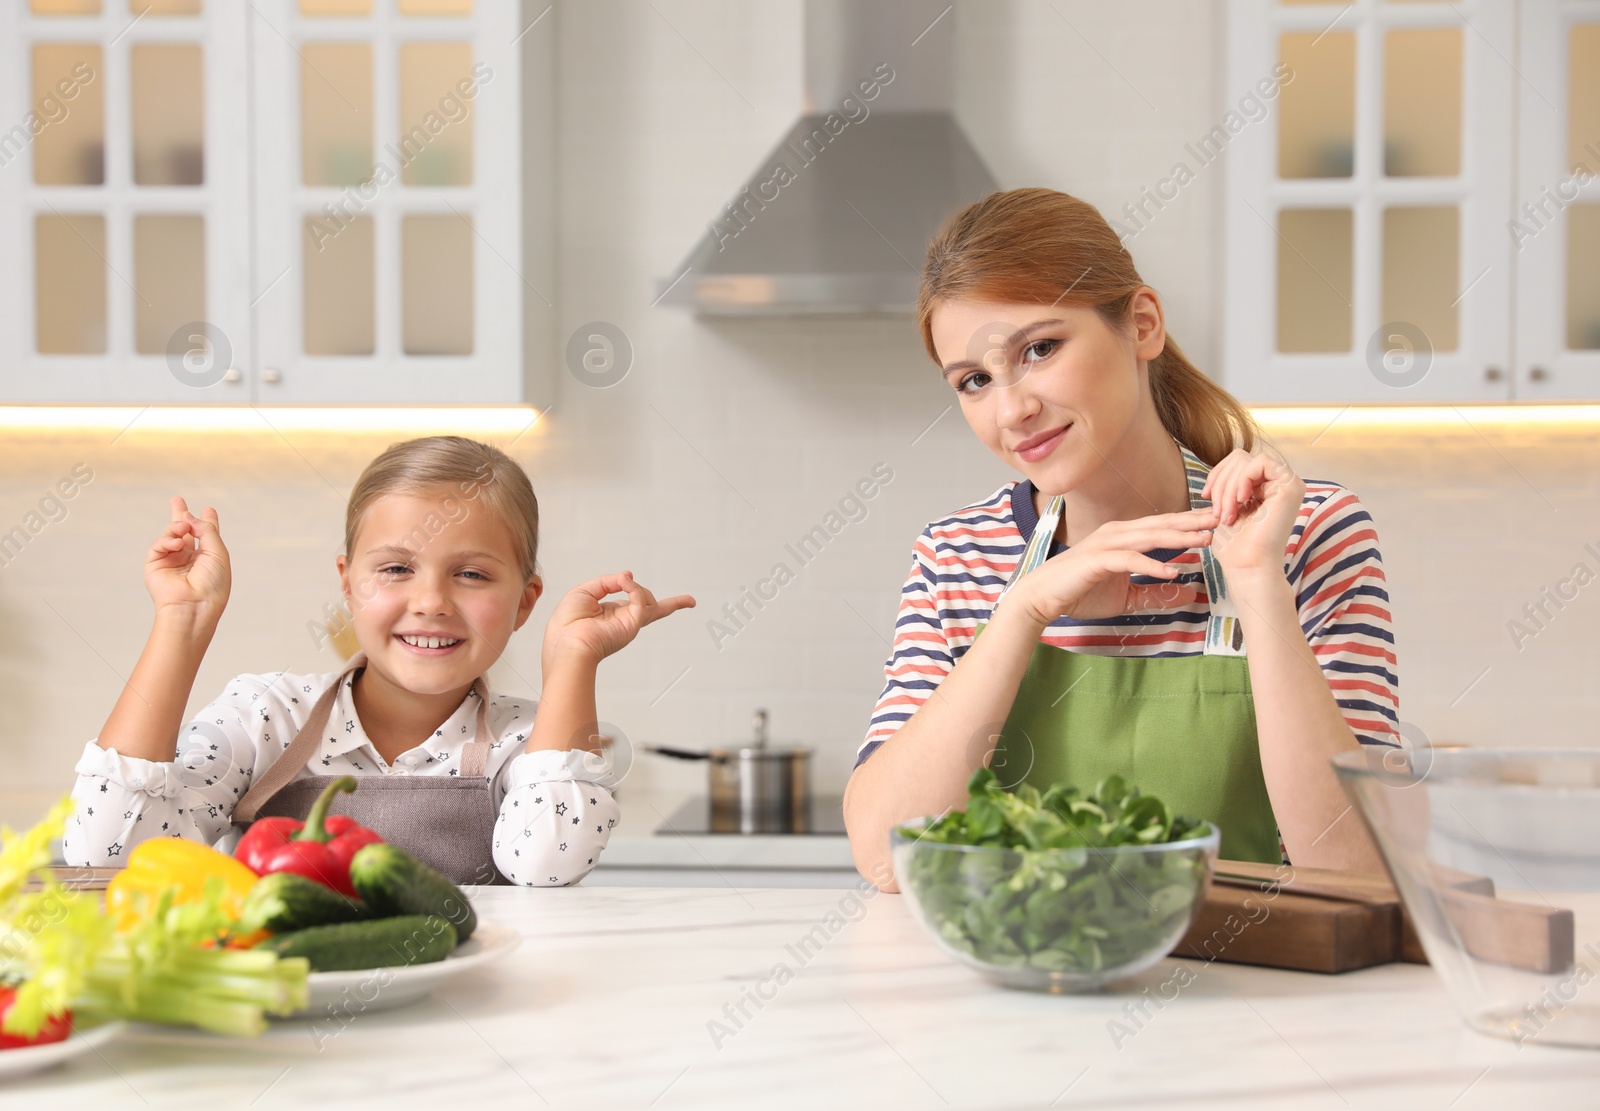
point(759, 747)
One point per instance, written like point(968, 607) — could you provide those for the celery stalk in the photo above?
point(63, 945)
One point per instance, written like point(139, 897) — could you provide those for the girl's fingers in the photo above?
point(670, 605)
point(598, 588)
point(207, 529)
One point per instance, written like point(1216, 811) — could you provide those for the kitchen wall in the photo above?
point(728, 441)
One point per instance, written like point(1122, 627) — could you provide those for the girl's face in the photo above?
point(435, 590)
point(1050, 389)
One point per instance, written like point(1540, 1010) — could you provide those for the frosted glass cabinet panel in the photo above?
point(1317, 110)
point(1314, 248)
point(70, 274)
point(169, 278)
point(70, 147)
point(167, 114)
point(1422, 102)
point(335, 113)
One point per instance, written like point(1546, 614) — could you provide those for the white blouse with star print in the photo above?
point(556, 809)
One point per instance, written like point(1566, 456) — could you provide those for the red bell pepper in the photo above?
point(319, 849)
point(55, 1028)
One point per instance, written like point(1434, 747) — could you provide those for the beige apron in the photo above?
point(445, 821)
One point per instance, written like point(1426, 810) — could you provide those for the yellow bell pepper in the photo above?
point(184, 866)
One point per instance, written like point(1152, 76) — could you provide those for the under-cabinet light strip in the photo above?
point(484, 420)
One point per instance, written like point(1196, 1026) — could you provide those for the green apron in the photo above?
point(1182, 728)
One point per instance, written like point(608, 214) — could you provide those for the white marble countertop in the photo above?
point(610, 1000)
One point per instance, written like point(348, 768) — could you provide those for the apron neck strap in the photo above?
point(474, 755)
point(1224, 635)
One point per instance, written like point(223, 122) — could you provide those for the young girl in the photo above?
point(1179, 608)
point(438, 570)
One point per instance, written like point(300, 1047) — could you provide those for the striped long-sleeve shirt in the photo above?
point(961, 563)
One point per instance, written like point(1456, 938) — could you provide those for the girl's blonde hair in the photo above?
point(1038, 245)
point(457, 468)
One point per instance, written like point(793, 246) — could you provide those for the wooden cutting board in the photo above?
point(1320, 920)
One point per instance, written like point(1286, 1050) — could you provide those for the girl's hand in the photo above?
point(586, 626)
point(1090, 579)
point(1258, 498)
point(187, 567)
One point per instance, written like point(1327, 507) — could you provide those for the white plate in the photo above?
point(346, 994)
point(20, 1062)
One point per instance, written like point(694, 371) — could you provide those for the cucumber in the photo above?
point(284, 901)
point(376, 943)
point(392, 881)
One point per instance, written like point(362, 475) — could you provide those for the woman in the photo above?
point(1189, 614)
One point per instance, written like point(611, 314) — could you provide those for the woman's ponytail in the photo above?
point(1198, 413)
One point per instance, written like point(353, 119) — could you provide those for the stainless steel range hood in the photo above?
point(837, 218)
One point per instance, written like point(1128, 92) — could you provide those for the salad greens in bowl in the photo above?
point(1055, 892)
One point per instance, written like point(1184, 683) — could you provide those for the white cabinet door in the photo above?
point(124, 193)
point(1555, 229)
point(1368, 188)
point(280, 202)
point(387, 208)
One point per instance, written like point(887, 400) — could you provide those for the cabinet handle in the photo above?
point(272, 376)
point(1493, 374)
point(1538, 373)
point(231, 374)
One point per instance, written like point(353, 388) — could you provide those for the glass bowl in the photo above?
point(1057, 920)
point(1496, 855)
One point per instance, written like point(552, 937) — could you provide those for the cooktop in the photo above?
point(825, 815)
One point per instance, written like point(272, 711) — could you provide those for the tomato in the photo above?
point(54, 1030)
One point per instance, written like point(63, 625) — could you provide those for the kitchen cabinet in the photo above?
point(1410, 201)
point(284, 202)
point(1556, 228)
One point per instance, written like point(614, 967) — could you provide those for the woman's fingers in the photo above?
point(1144, 597)
point(1117, 534)
point(1144, 540)
point(1118, 561)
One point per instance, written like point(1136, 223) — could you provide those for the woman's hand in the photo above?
point(1090, 579)
point(586, 626)
point(1258, 499)
point(187, 568)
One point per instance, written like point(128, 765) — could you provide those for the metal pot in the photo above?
point(756, 788)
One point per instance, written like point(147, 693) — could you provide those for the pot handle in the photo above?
point(676, 753)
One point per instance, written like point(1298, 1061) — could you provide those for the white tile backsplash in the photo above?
point(728, 440)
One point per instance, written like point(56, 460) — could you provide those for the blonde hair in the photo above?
point(461, 467)
point(1038, 245)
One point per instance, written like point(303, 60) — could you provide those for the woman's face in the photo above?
point(1050, 389)
point(434, 567)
